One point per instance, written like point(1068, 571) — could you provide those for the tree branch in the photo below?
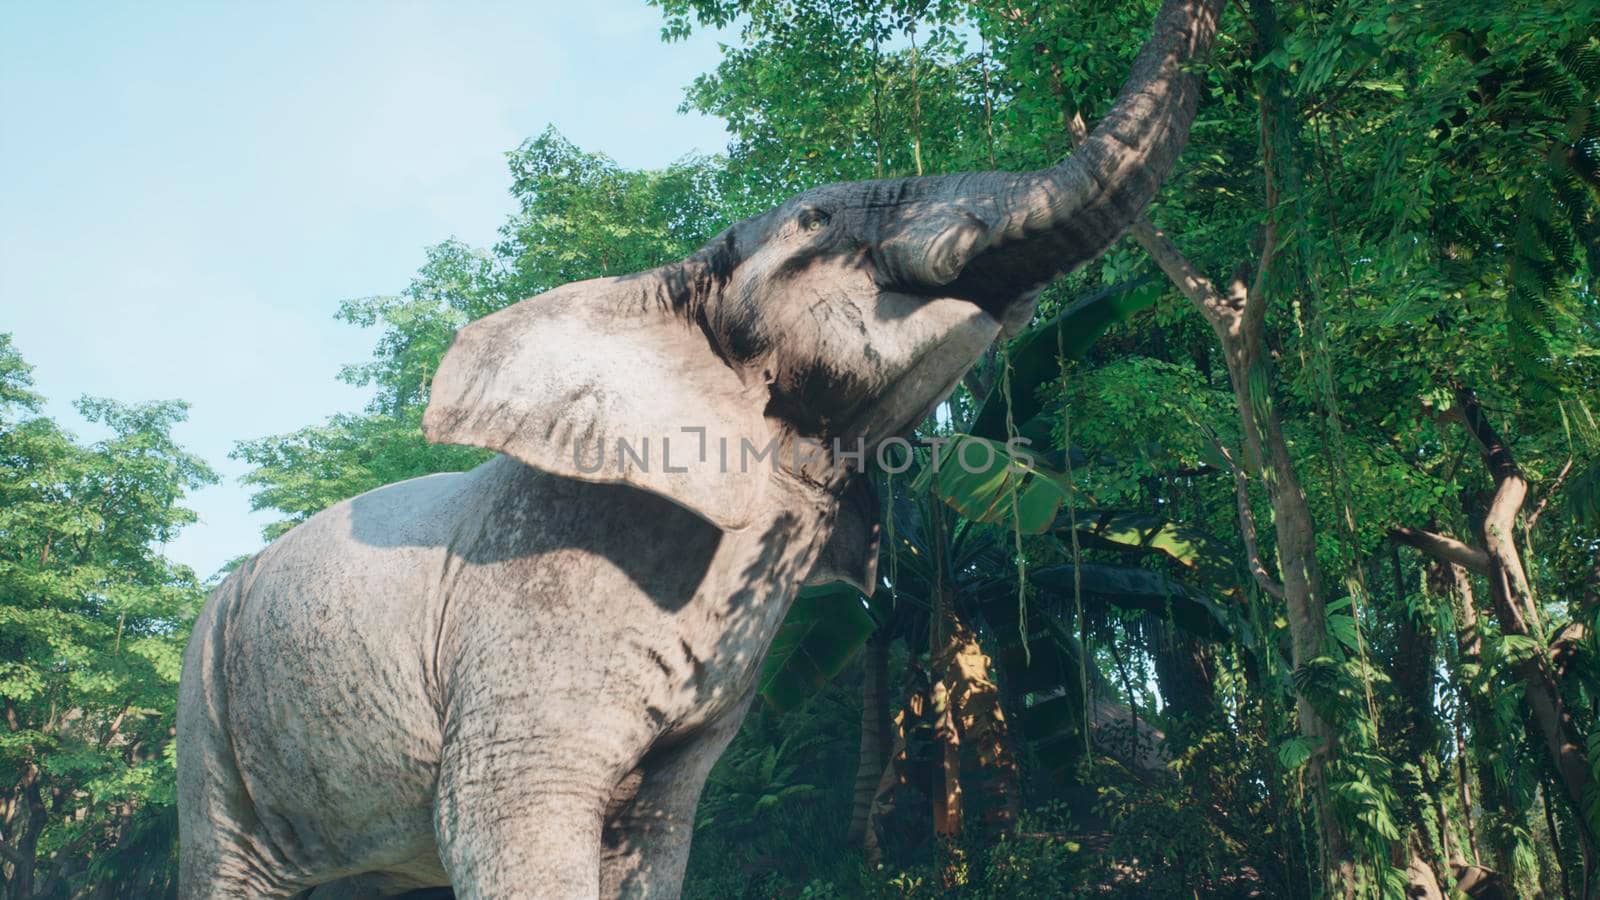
point(1224, 315)
point(1506, 575)
point(1247, 525)
point(1184, 276)
point(1443, 548)
point(1533, 517)
point(1497, 456)
point(1254, 298)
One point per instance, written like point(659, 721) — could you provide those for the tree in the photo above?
point(95, 621)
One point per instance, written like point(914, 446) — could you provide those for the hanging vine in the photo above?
point(1077, 549)
point(1013, 476)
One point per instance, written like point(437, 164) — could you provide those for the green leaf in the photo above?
point(1147, 533)
point(1036, 354)
point(825, 626)
point(1133, 588)
point(1343, 628)
point(1295, 752)
point(982, 480)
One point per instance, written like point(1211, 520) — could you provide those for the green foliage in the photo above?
point(991, 482)
point(1037, 354)
point(825, 627)
point(92, 625)
point(772, 812)
point(305, 472)
point(1426, 237)
point(581, 216)
point(752, 787)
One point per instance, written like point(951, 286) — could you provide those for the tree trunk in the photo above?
point(1237, 320)
point(875, 737)
point(947, 790)
point(1413, 730)
point(1422, 883)
point(980, 723)
point(1488, 744)
point(959, 705)
point(895, 774)
point(1548, 720)
point(1183, 673)
point(1514, 609)
point(33, 819)
point(942, 635)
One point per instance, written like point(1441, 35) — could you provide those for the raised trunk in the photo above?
point(1053, 220)
point(1237, 319)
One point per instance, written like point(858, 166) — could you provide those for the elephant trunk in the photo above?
point(1052, 221)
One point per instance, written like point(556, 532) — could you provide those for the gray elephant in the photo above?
point(514, 680)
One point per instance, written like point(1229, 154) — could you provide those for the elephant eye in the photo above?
point(813, 220)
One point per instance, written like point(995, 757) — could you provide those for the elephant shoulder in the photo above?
point(419, 512)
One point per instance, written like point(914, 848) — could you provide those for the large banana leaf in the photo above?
point(1138, 532)
point(825, 627)
point(982, 479)
point(1133, 588)
point(1036, 354)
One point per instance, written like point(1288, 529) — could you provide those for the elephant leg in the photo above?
point(518, 823)
point(650, 819)
point(222, 860)
point(224, 850)
point(224, 874)
point(374, 887)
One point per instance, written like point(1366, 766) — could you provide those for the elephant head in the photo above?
point(842, 316)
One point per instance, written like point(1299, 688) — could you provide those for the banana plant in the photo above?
point(825, 627)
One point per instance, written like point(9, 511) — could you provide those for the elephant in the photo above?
point(513, 681)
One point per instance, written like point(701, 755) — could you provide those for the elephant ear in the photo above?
point(589, 382)
point(851, 553)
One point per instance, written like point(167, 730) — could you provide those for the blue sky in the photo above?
point(187, 190)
